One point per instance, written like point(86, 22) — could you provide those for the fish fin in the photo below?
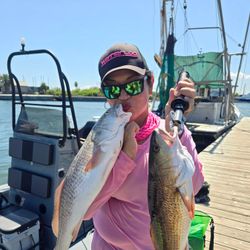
point(191, 215)
point(57, 202)
point(76, 230)
point(189, 203)
point(152, 236)
point(93, 161)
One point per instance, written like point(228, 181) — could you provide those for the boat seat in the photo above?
point(33, 151)
point(29, 182)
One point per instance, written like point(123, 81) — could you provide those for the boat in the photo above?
point(214, 111)
point(42, 147)
point(44, 143)
point(243, 98)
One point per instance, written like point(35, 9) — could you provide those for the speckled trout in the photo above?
point(87, 175)
point(170, 192)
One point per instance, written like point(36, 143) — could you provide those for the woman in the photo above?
point(120, 211)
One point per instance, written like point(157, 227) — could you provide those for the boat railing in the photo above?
point(66, 98)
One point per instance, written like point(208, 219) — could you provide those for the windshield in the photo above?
point(44, 121)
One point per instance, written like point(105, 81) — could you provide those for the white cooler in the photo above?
point(19, 229)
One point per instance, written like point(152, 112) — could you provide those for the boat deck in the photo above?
point(204, 134)
point(202, 128)
point(226, 164)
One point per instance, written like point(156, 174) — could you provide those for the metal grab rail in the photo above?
point(64, 88)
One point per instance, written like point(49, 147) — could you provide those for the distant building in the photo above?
point(25, 88)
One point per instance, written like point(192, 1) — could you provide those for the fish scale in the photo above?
point(170, 220)
point(74, 178)
point(87, 174)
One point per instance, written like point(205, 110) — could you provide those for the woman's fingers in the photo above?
point(185, 91)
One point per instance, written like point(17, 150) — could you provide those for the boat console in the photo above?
point(43, 145)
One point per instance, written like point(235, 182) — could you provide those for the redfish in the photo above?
point(170, 192)
point(87, 175)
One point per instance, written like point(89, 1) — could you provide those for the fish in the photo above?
point(170, 191)
point(87, 175)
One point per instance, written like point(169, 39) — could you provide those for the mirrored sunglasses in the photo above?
point(132, 88)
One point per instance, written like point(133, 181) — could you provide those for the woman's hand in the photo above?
point(186, 88)
point(129, 142)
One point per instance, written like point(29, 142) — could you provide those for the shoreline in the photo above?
point(28, 97)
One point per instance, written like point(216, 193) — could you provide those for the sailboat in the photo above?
point(214, 110)
point(243, 98)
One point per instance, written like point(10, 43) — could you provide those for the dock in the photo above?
point(226, 164)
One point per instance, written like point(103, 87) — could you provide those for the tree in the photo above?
point(76, 84)
point(43, 88)
point(5, 83)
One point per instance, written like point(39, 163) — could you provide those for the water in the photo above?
point(85, 111)
point(244, 108)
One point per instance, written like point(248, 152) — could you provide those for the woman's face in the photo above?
point(137, 105)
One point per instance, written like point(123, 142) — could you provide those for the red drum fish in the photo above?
point(170, 192)
point(87, 175)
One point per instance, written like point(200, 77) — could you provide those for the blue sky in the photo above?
point(79, 31)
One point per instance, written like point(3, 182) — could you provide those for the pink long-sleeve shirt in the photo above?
point(120, 211)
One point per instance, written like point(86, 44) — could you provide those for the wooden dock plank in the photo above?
point(226, 164)
point(241, 200)
point(230, 202)
point(229, 242)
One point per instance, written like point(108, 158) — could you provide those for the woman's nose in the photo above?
point(123, 95)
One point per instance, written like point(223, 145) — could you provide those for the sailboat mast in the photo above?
point(163, 29)
point(228, 86)
point(166, 78)
point(242, 54)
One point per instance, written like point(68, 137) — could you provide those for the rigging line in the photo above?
point(186, 39)
point(245, 65)
point(185, 15)
point(172, 19)
point(171, 22)
point(243, 51)
point(188, 33)
point(236, 42)
point(175, 14)
point(182, 35)
point(195, 42)
point(178, 3)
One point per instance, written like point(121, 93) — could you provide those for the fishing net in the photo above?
point(197, 232)
point(203, 68)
